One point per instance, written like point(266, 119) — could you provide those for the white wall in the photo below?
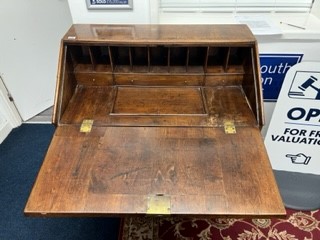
point(30, 38)
point(139, 15)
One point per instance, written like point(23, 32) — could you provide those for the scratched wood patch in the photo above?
point(157, 161)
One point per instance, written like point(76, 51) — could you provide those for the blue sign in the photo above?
point(273, 69)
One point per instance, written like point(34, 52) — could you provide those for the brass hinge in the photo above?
point(159, 205)
point(86, 126)
point(229, 127)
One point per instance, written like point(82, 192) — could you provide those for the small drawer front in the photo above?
point(224, 80)
point(94, 79)
point(158, 79)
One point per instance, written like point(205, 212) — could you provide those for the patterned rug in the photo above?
point(298, 225)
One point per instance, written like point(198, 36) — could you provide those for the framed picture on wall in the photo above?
point(110, 4)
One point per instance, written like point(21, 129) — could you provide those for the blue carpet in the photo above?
point(21, 155)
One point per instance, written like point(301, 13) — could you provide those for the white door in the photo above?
point(9, 116)
point(30, 38)
point(5, 128)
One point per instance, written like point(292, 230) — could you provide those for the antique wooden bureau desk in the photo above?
point(154, 120)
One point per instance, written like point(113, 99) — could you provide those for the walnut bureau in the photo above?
point(156, 120)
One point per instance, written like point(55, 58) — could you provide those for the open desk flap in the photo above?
point(155, 170)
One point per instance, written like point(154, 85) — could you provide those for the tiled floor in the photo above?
point(43, 117)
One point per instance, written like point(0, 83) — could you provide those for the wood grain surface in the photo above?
point(113, 171)
point(161, 33)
